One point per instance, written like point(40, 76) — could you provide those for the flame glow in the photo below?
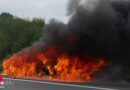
point(61, 68)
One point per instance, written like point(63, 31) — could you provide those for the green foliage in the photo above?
point(17, 33)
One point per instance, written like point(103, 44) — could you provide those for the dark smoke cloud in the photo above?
point(98, 27)
point(72, 5)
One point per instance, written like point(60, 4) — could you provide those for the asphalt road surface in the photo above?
point(24, 84)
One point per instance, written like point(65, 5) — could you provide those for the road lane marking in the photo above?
point(62, 84)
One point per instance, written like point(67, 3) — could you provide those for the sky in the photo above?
point(46, 9)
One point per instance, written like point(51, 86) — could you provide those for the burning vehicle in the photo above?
point(95, 38)
point(60, 68)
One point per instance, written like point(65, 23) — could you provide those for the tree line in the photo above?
point(18, 33)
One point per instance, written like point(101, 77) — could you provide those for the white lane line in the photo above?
point(61, 84)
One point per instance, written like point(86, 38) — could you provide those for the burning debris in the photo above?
point(96, 34)
point(61, 68)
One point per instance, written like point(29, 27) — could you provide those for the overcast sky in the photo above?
point(46, 9)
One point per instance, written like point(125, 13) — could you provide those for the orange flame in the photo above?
point(62, 68)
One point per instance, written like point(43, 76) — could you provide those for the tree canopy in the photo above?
point(18, 33)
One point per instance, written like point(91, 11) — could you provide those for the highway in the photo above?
point(26, 84)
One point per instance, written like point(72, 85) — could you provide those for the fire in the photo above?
point(58, 68)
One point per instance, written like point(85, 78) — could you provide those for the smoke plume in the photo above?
point(99, 28)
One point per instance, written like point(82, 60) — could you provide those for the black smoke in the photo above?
point(100, 28)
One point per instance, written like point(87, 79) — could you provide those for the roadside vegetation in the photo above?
point(18, 33)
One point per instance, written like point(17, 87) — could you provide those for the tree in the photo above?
point(18, 33)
